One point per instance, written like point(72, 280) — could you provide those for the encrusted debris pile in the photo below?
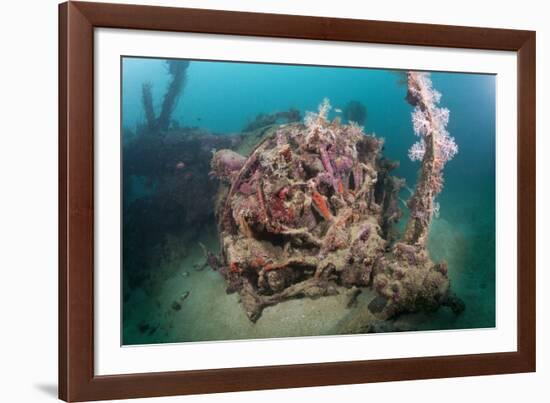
point(312, 209)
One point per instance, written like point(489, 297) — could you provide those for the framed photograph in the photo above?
point(255, 201)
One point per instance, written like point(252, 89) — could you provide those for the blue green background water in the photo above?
point(224, 96)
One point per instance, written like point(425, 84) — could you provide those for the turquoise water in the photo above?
point(222, 97)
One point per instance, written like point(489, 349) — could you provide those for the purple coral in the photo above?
point(226, 163)
point(343, 164)
point(325, 159)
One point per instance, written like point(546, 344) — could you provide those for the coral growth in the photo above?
point(399, 279)
point(226, 163)
point(435, 148)
point(312, 209)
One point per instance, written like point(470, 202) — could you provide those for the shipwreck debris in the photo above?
point(313, 208)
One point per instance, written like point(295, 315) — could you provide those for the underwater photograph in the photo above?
point(272, 200)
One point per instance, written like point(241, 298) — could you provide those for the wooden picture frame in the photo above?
point(77, 21)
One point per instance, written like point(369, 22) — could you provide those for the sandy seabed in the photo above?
point(164, 314)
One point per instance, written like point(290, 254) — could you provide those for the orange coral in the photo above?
point(258, 262)
point(234, 267)
point(321, 205)
point(340, 187)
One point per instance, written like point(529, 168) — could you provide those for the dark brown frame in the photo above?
point(77, 21)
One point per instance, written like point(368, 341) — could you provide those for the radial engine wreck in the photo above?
point(313, 209)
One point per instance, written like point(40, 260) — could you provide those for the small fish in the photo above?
point(180, 165)
point(337, 110)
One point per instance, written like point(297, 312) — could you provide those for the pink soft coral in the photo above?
point(435, 148)
point(429, 120)
point(417, 151)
